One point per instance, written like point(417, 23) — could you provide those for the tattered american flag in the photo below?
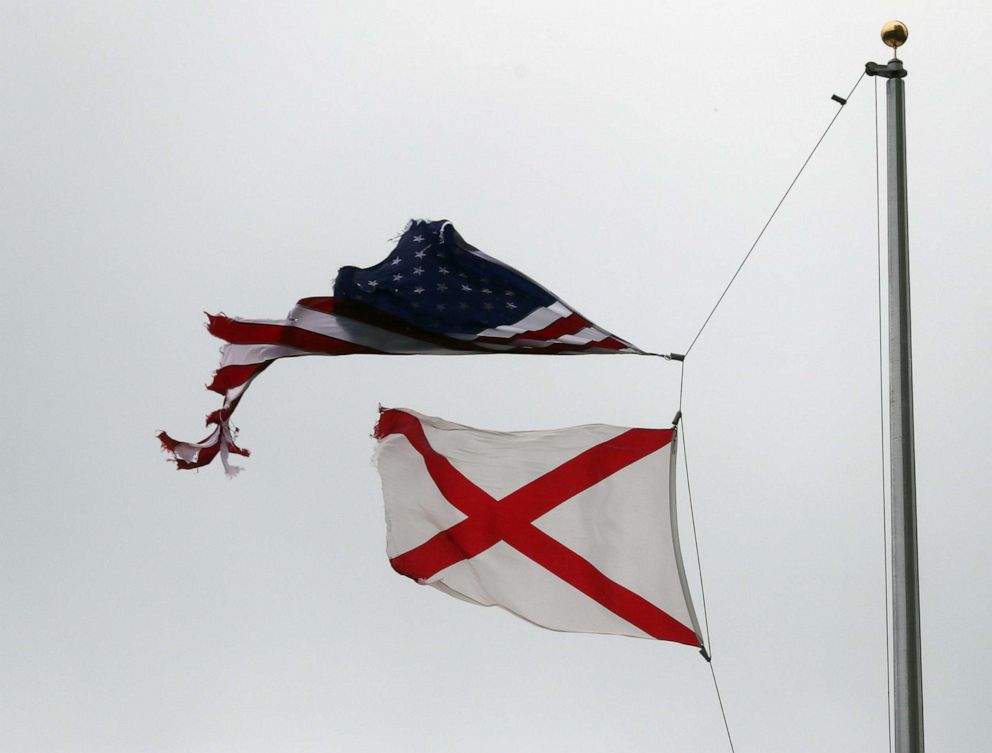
point(433, 295)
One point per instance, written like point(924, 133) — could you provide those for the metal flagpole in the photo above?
point(907, 664)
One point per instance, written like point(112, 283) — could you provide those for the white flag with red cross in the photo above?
point(572, 529)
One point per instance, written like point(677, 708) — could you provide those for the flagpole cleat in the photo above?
point(893, 69)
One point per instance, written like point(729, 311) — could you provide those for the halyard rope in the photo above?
point(685, 452)
point(772, 216)
point(722, 712)
point(702, 588)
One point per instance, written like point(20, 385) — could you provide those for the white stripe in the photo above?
point(189, 451)
point(592, 334)
point(244, 355)
point(535, 320)
point(235, 392)
point(573, 340)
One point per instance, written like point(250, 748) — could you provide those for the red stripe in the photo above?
point(567, 325)
point(606, 344)
point(230, 377)
point(168, 443)
point(203, 456)
point(239, 332)
point(564, 348)
point(491, 521)
point(323, 304)
point(611, 343)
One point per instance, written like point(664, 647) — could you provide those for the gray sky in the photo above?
point(160, 159)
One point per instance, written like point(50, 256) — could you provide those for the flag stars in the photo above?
point(429, 285)
point(418, 239)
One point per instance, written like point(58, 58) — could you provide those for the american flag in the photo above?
point(434, 294)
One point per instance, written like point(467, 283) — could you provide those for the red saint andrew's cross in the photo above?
point(510, 520)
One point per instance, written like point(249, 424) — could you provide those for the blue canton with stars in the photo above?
point(433, 281)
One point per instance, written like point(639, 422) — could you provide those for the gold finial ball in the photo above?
point(895, 34)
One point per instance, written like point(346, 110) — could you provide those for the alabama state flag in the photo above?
point(572, 529)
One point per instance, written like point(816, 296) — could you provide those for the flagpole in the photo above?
point(907, 672)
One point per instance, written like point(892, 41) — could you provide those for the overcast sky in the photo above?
point(162, 159)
